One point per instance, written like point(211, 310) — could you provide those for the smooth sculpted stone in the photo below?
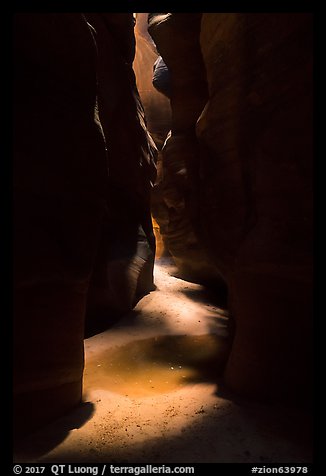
point(255, 136)
point(124, 264)
point(176, 36)
point(60, 180)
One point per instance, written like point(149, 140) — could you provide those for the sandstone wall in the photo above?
point(156, 105)
point(253, 193)
point(124, 265)
point(177, 39)
point(83, 239)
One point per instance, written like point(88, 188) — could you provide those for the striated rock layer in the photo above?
point(83, 237)
point(60, 178)
point(176, 193)
point(124, 265)
point(256, 181)
point(156, 105)
point(253, 193)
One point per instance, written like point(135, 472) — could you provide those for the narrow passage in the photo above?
point(151, 392)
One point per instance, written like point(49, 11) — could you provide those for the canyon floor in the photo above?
point(151, 393)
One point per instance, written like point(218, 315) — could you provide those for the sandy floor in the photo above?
point(151, 394)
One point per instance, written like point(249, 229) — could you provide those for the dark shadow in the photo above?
point(130, 318)
point(102, 324)
point(142, 294)
point(249, 433)
point(214, 296)
point(215, 284)
point(100, 320)
point(214, 290)
point(289, 419)
point(45, 439)
point(301, 402)
point(206, 355)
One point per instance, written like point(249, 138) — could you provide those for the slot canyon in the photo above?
point(163, 237)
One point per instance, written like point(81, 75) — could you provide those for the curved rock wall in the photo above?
point(253, 192)
point(59, 199)
point(177, 39)
point(156, 105)
point(236, 179)
point(83, 168)
point(125, 259)
point(256, 181)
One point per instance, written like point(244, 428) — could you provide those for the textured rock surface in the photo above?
point(156, 105)
point(249, 182)
point(256, 192)
point(125, 259)
point(83, 237)
point(252, 199)
point(177, 38)
point(59, 195)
